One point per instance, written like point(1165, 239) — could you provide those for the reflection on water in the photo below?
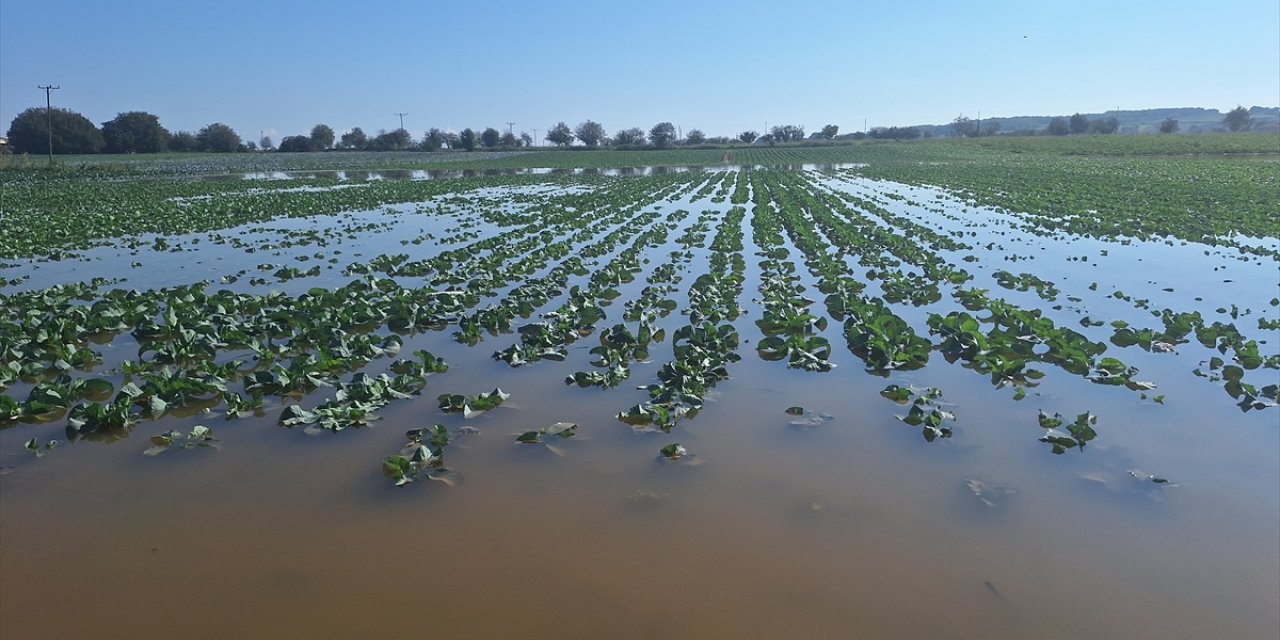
point(437, 174)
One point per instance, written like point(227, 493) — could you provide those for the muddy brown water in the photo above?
point(854, 528)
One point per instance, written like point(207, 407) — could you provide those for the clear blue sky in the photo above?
point(720, 66)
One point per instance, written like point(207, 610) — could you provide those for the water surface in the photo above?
point(854, 528)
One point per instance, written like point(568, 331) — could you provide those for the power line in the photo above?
point(48, 110)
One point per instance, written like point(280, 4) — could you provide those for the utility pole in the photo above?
point(535, 137)
point(402, 115)
point(48, 112)
point(509, 126)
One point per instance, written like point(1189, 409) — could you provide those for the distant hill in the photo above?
point(1190, 120)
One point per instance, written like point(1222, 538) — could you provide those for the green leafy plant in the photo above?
point(421, 457)
point(199, 436)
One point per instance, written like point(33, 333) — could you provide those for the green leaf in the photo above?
point(156, 405)
point(97, 389)
point(295, 415)
point(1047, 422)
point(897, 393)
point(673, 451)
point(562, 430)
point(399, 468)
point(915, 416)
point(439, 436)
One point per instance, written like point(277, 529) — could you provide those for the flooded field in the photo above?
point(708, 403)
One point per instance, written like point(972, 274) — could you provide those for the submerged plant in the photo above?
point(1079, 432)
point(199, 436)
point(422, 456)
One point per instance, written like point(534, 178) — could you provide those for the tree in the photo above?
point(490, 138)
point(183, 141)
point(1058, 127)
point(1237, 119)
point(560, 135)
point(590, 133)
point(134, 132)
point(218, 137)
point(1169, 125)
point(629, 137)
point(695, 136)
point(1104, 126)
point(509, 140)
point(748, 136)
point(321, 137)
point(391, 140)
point(400, 138)
point(894, 133)
point(829, 132)
point(662, 134)
point(467, 139)
point(786, 133)
point(433, 140)
point(295, 144)
point(964, 127)
point(1078, 124)
point(72, 132)
point(354, 139)
point(266, 144)
point(526, 140)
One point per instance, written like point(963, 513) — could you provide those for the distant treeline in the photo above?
point(141, 132)
point(1140, 121)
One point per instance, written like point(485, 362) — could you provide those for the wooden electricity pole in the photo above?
point(48, 112)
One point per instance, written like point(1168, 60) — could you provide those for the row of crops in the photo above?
point(650, 288)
